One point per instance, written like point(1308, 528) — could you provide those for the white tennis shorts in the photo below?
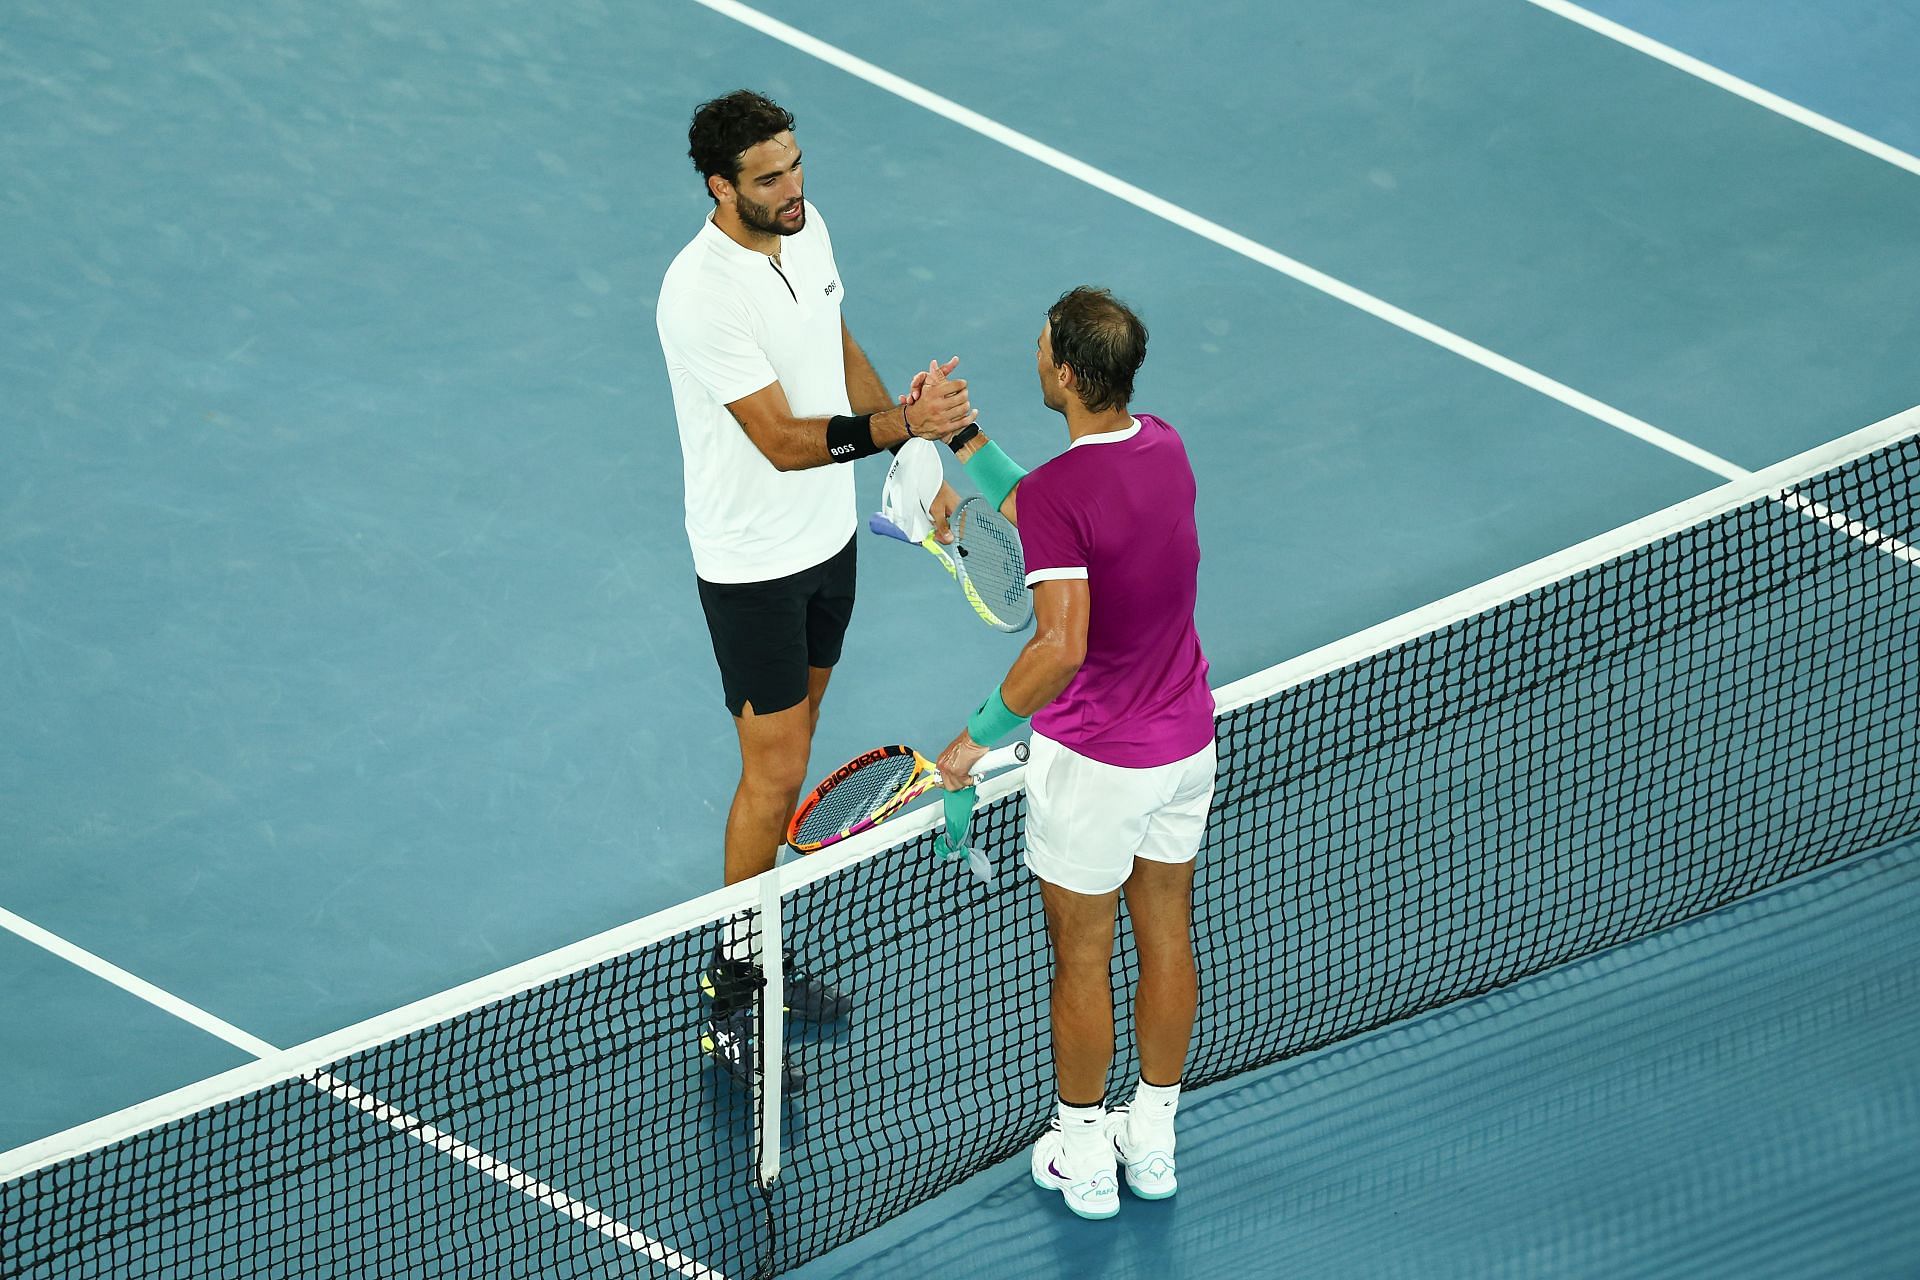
point(1088, 821)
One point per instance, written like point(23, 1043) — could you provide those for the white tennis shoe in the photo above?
point(1093, 1193)
point(1150, 1167)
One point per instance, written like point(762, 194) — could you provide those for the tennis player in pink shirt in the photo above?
point(1122, 767)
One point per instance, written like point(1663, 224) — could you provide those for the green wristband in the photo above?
point(993, 721)
point(994, 472)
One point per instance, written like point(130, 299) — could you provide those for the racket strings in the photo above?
point(854, 798)
point(990, 549)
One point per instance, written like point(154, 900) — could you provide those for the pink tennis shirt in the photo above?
point(1117, 510)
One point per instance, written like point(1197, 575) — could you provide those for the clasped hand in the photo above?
point(936, 405)
point(936, 374)
point(957, 761)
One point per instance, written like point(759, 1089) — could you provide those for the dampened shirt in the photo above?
point(1117, 510)
point(731, 322)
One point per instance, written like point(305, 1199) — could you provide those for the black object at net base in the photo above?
point(1694, 719)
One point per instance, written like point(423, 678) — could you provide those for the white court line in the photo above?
point(1773, 484)
point(384, 1112)
point(79, 956)
point(525, 1183)
point(1177, 216)
point(1446, 339)
point(1731, 83)
point(1852, 528)
point(1207, 229)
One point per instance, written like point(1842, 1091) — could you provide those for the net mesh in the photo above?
point(1697, 719)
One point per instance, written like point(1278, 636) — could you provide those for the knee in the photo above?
point(776, 780)
point(1168, 960)
point(1083, 959)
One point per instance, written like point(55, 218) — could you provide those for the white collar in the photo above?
point(727, 246)
point(1105, 437)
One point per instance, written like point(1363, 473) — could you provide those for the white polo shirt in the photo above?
point(731, 322)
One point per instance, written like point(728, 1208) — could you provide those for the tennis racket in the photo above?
point(872, 787)
point(985, 558)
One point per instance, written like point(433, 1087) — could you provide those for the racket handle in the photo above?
point(1001, 758)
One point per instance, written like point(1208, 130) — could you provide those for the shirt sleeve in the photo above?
point(711, 337)
point(1053, 533)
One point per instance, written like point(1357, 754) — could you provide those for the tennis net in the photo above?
point(1619, 738)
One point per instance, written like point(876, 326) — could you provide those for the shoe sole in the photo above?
point(1044, 1185)
point(793, 1088)
point(744, 1079)
point(1138, 1191)
point(1142, 1192)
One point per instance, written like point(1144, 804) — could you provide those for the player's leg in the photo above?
point(773, 765)
point(759, 633)
point(1159, 895)
point(773, 753)
point(776, 643)
point(1160, 900)
point(1080, 927)
point(817, 678)
point(1081, 831)
point(829, 611)
point(763, 800)
point(1075, 1156)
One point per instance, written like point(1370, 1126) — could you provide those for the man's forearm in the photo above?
point(800, 444)
point(865, 392)
point(1043, 669)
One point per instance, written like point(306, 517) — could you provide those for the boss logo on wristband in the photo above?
point(850, 438)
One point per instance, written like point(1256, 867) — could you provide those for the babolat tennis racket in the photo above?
point(872, 787)
point(985, 558)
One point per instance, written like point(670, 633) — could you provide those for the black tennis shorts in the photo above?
point(766, 634)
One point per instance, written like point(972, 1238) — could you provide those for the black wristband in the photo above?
point(963, 437)
point(850, 438)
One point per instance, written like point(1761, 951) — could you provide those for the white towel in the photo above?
point(913, 482)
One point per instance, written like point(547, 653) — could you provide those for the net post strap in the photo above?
point(771, 1049)
point(1529, 908)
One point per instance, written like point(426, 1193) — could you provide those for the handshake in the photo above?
point(935, 406)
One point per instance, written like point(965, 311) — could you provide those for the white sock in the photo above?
point(1150, 1114)
point(737, 942)
point(1083, 1137)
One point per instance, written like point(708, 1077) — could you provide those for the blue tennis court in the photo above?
point(354, 651)
point(1719, 1100)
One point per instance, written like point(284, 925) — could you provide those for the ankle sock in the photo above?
point(1150, 1114)
point(1083, 1137)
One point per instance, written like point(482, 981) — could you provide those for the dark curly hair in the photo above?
point(726, 128)
point(1104, 343)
